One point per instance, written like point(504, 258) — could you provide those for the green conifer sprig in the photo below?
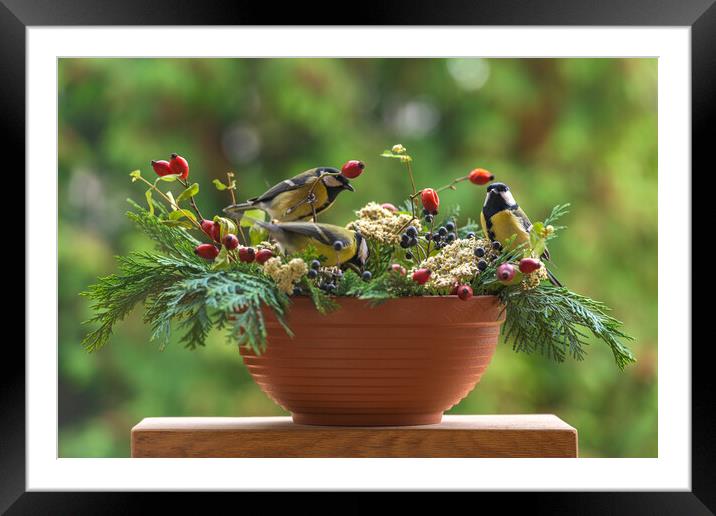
point(550, 320)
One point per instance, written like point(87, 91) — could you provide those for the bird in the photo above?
point(501, 218)
point(300, 198)
point(336, 245)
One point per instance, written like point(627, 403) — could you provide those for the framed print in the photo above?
point(292, 257)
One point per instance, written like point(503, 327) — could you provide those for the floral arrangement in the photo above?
point(224, 271)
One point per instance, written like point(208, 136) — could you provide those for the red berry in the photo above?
point(464, 292)
point(352, 168)
point(247, 254)
point(162, 168)
point(207, 227)
point(505, 272)
point(216, 232)
point(480, 176)
point(528, 265)
point(207, 251)
point(212, 229)
point(231, 242)
point(430, 200)
point(420, 276)
point(389, 207)
point(179, 166)
point(263, 255)
point(396, 267)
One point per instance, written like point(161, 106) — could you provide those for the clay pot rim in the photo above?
point(449, 296)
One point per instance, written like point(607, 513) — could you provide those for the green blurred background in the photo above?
point(556, 130)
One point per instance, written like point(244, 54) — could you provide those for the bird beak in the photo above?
point(349, 186)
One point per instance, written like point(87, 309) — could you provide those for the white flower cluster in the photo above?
point(285, 275)
point(456, 263)
point(381, 225)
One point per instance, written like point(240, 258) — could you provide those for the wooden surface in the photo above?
point(533, 435)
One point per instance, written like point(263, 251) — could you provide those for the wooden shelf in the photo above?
point(532, 435)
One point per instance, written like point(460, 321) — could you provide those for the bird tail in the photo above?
point(553, 279)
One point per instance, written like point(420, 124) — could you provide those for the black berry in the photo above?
point(482, 265)
point(450, 226)
point(479, 252)
point(429, 219)
point(450, 237)
point(497, 246)
point(408, 255)
point(442, 231)
point(366, 276)
point(312, 273)
point(413, 242)
point(315, 264)
point(470, 235)
point(411, 231)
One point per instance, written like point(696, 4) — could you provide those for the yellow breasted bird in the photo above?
point(501, 218)
point(338, 245)
point(298, 198)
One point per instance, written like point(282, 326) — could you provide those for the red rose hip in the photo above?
point(161, 167)
point(352, 168)
point(528, 265)
point(247, 254)
point(421, 276)
point(464, 292)
point(179, 166)
point(263, 255)
point(480, 176)
point(430, 200)
point(231, 242)
point(505, 272)
point(206, 251)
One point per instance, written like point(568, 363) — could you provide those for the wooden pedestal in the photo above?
point(533, 435)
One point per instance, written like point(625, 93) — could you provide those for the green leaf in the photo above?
point(402, 157)
point(135, 174)
point(257, 235)
point(148, 195)
point(219, 185)
point(180, 214)
point(168, 178)
point(188, 193)
point(247, 220)
point(227, 226)
point(177, 223)
point(172, 203)
point(221, 262)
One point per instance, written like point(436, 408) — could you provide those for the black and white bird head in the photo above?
point(499, 196)
point(334, 180)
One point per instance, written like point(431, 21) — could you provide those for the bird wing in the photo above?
point(527, 225)
point(523, 219)
point(324, 233)
point(287, 185)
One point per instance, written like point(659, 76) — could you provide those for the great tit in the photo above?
point(501, 218)
point(335, 244)
point(299, 198)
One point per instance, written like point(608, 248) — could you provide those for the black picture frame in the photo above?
point(700, 15)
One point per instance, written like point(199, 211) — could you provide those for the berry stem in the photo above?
point(229, 181)
point(172, 203)
point(191, 200)
point(452, 184)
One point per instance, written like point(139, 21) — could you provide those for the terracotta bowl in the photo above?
point(403, 362)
